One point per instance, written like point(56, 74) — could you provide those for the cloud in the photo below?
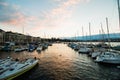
point(61, 13)
point(57, 17)
point(10, 14)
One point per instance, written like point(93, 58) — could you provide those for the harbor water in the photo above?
point(60, 62)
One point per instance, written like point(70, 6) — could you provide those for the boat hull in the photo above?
point(110, 61)
point(10, 77)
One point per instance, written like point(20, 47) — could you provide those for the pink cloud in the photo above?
point(10, 14)
point(19, 20)
point(64, 10)
point(55, 18)
point(61, 13)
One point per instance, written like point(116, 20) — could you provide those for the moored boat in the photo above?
point(31, 48)
point(39, 48)
point(84, 50)
point(108, 57)
point(17, 68)
point(95, 54)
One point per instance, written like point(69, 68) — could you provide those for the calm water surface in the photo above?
point(59, 62)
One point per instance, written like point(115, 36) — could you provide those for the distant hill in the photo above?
point(96, 37)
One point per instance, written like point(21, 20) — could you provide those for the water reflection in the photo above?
point(60, 62)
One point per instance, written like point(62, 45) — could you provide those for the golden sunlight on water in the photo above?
point(58, 56)
point(59, 62)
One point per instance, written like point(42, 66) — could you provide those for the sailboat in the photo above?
point(109, 56)
point(100, 47)
point(118, 3)
point(84, 47)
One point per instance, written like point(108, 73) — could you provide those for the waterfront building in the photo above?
point(2, 36)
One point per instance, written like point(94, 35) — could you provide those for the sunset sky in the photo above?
point(58, 18)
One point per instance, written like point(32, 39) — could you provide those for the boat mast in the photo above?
point(77, 34)
point(75, 37)
point(102, 33)
point(118, 11)
point(83, 33)
point(90, 32)
point(108, 32)
point(86, 38)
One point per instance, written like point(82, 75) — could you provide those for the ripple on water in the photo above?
point(60, 62)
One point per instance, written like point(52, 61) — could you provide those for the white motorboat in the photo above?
point(16, 68)
point(95, 54)
point(18, 49)
point(108, 57)
point(118, 67)
point(39, 48)
point(2, 61)
point(84, 50)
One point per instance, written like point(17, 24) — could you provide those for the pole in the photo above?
point(90, 32)
point(108, 32)
point(118, 11)
point(102, 33)
point(83, 33)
